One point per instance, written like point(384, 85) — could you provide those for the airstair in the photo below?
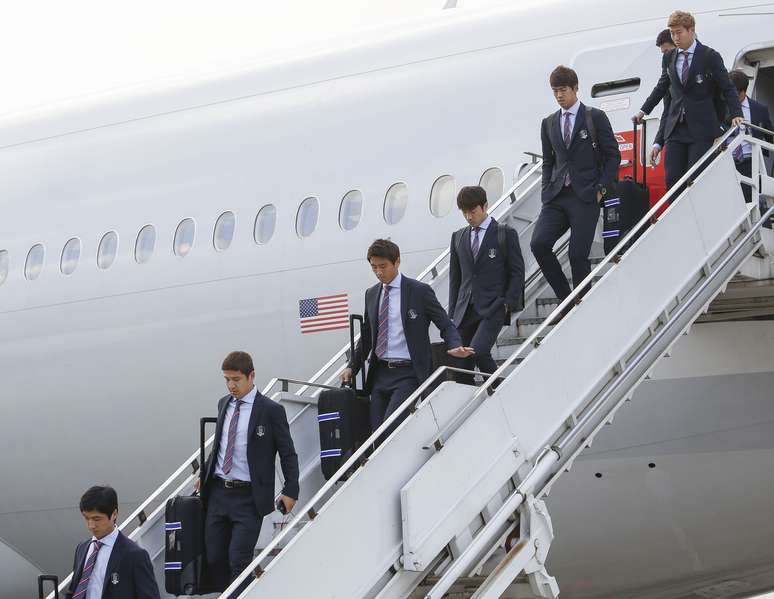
point(451, 503)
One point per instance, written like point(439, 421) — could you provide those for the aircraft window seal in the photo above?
point(350, 210)
point(145, 244)
point(4, 265)
point(71, 255)
point(107, 250)
point(611, 88)
point(395, 203)
point(493, 182)
point(442, 196)
point(307, 216)
point(184, 237)
point(265, 223)
point(34, 263)
point(223, 234)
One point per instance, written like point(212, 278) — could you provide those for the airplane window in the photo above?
point(70, 256)
point(610, 88)
point(34, 264)
point(442, 196)
point(350, 210)
point(224, 231)
point(493, 182)
point(4, 261)
point(395, 203)
point(306, 218)
point(264, 224)
point(184, 237)
point(146, 243)
point(107, 250)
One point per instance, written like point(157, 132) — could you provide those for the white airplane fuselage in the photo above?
point(105, 373)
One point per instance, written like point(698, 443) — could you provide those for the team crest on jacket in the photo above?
point(260, 431)
point(492, 253)
point(583, 133)
point(114, 578)
point(699, 79)
point(412, 314)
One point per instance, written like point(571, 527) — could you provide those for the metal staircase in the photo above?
point(430, 511)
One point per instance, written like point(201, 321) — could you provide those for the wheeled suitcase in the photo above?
point(343, 418)
point(623, 212)
point(184, 557)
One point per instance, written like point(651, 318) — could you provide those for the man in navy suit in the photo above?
point(238, 488)
point(757, 114)
point(694, 75)
point(395, 338)
point(580, 166)
point(486, 278)
point(665, 44)
point(109, 565)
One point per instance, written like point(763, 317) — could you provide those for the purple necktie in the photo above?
point(476, 243)
point(228, 460)
point(384, 315)
point(567, 136)
point(83, 584)
point(686, 66)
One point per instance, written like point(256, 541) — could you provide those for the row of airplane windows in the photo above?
point(442, 200)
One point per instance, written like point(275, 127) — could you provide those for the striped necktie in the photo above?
point(567, 138)
point(476, 243)
point(228, 460)
point(83, 584)
point(384, 314)
point(686, 66)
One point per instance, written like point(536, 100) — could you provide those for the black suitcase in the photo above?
point(343, 418)
point(621, 213)
point(184, 557)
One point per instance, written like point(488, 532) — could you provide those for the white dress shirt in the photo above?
point(746, 147)
point(483, 226)
point(681, 57)
point(397, 348)
point(97, 578)
point(240, 470)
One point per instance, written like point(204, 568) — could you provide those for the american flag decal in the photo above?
point(327, 313)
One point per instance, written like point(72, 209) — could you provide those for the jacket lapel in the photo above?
point(405, 294)
point(258, 407)
point(218, 434)
point(697, 62)
point(673, 67)
point(557, 132)
point(373, 313)
point(491, 231)
point(580, 119)
point(113, 563)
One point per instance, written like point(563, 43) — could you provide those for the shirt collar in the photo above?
point(108, 540)
point(573, 110)
point(485, 224)
point(396, 281)
point(250, 397)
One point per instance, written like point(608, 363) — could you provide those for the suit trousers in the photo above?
point(391, 388)
point(480, 334)
point(565, 211)
point(681, 152)
point(745, 168)
point(231, 529)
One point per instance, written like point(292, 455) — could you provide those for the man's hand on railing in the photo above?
point(288, 502)
point(461, 352)
point(637, 118)
point(737, 121)
point(346, 376)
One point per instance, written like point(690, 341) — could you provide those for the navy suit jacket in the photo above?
point(129, 565)
point(268, 434)
point(418, 308)
point(706, 75)
point(579, 159)
point(488, 282)
point(759, 115)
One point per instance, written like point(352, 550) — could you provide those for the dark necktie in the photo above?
point(567, 135)
point(83, 584)
point(476, 242)
point(384, 317)
point(686, 66)
point(228, 460)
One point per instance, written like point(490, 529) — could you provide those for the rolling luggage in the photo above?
point(621, 213)
point(343, 417)
point(184, 558)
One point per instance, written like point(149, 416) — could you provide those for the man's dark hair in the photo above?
point(563, 76)
point(665, 37)
point(471, 196)
point(239, 361)
point(100, 499)
point(383, 248)
point(739, 79)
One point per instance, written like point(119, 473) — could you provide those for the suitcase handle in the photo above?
point(638, 153)
point(359, 319)
point(42, 579)
point(203, 422)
